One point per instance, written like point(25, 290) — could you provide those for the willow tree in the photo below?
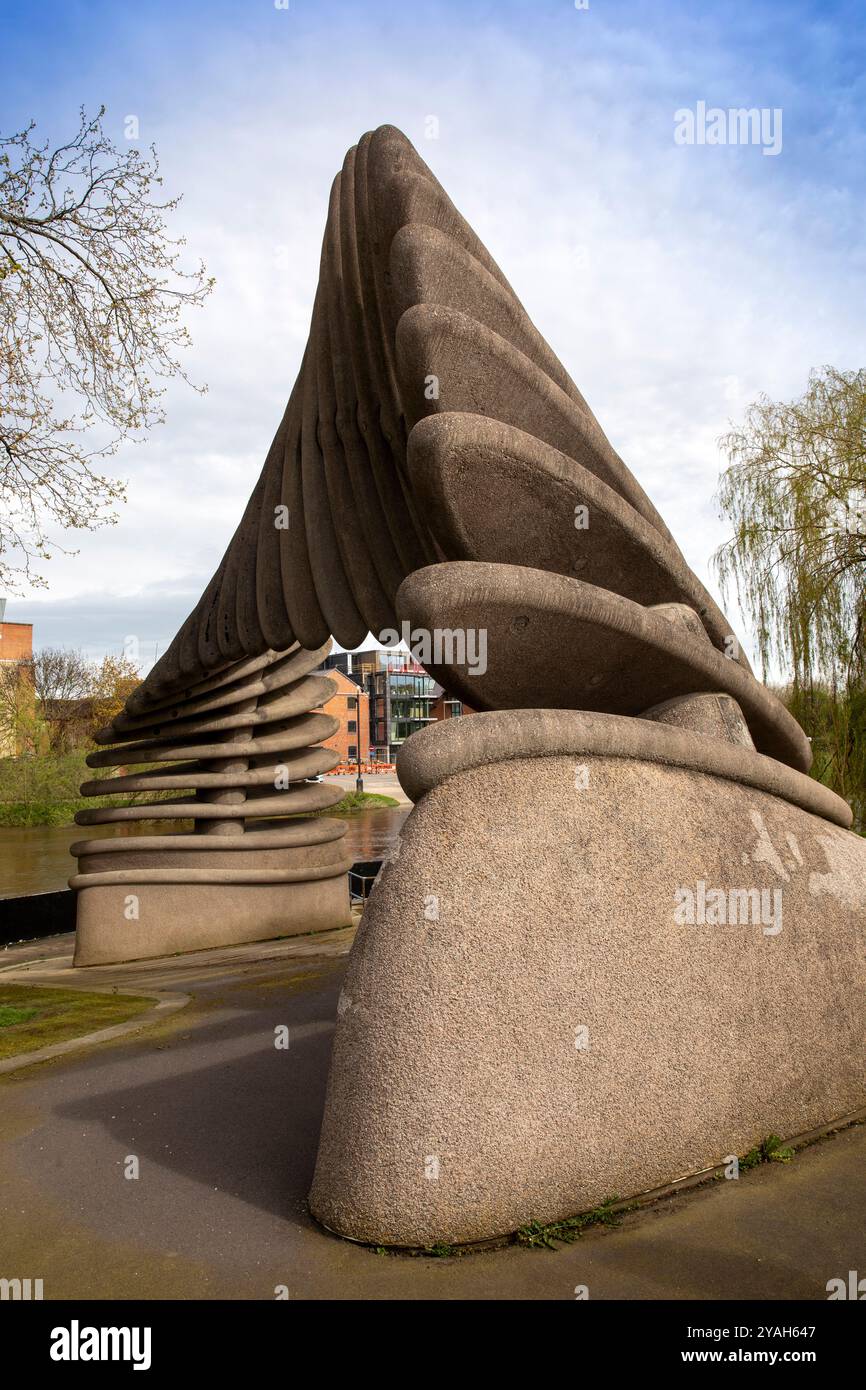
point(93, 293)
point(795, 494)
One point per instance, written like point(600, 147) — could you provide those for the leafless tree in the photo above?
point(92, 301)
point(57, 699)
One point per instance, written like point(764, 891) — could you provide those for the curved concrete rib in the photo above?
point(442, 750)
point(553, 641)
point(223, 881)
point(475, 476)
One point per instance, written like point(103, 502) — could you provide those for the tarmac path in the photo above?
point(224, 1127)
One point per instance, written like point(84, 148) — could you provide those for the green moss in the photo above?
point(31, 1018)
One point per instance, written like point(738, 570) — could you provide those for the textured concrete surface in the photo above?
point(715, 716)
point(497, 736)
point(474, 475)
point(625, 657)
point(235, 749)
point(218, 1209)
point(527, 1027)
point(199, 916)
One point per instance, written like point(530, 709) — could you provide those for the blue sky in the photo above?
point(676, 283)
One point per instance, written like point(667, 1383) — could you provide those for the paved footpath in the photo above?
point(224, 1128)
point(382, 783)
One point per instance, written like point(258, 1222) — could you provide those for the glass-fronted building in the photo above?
point(403, 698)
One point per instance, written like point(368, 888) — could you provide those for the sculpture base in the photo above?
point(546, 1005)
point(145, 896)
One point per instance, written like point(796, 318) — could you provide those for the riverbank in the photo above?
point(355, 803)
point(43, 791)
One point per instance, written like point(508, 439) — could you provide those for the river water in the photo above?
point(36, 859)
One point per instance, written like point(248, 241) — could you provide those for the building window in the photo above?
point(353, 726)
point(352, 702)
point(353, 752)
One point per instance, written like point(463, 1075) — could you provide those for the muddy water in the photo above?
point(36, 859)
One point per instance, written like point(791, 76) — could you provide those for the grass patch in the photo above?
point(8, 1015)
point(25, 813)
point(770, 1150)
point(355, 802)
point(31, 1018)
point(535, 1235)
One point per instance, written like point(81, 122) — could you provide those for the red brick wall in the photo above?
point(339, 707)
point(16, 641)
point(438, 709)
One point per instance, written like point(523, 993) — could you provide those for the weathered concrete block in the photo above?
point(531, 1023)
point(138, 897)
point(237, 749)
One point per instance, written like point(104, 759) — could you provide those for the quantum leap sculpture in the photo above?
point(620, 939)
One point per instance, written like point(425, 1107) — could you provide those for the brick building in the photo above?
point(351, 705)
point(16, 644)
point(447, 706)
point(402, 696)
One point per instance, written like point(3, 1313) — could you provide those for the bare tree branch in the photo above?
point(92, 299)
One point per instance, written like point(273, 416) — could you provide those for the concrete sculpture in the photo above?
point(239, 748)
point(621, 939)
